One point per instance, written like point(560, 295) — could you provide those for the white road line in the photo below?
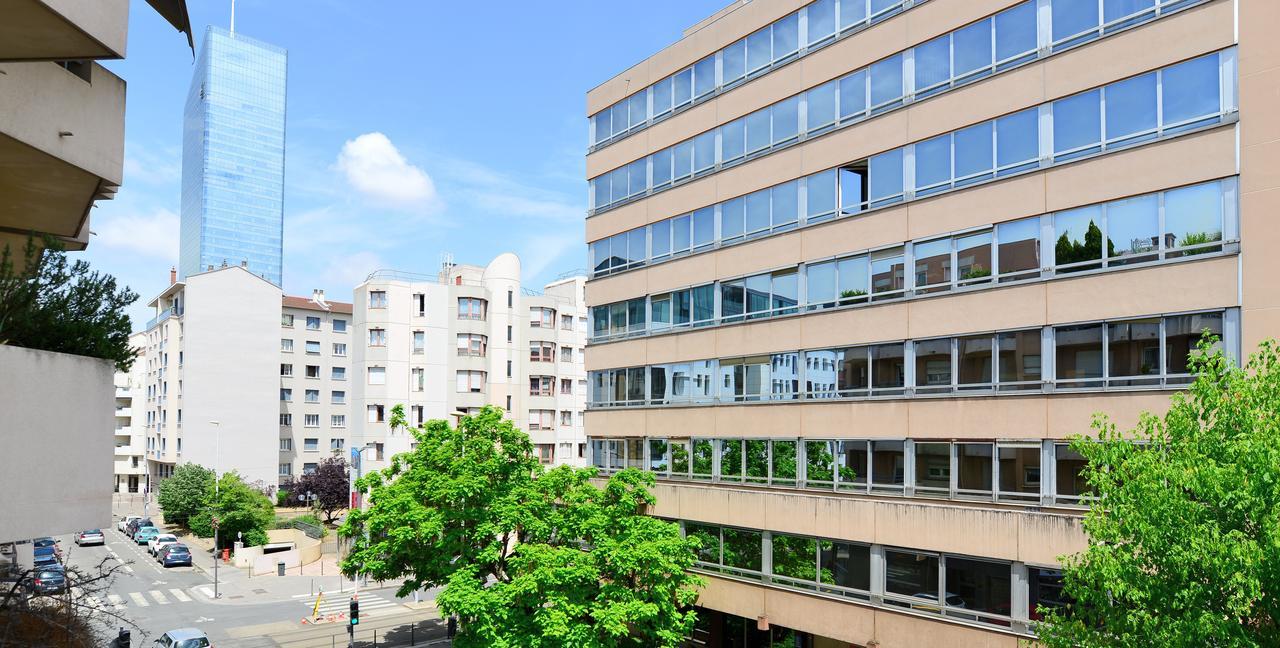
point(128, 569)
point(94, 602)
point(207, 591)
point(302, 595)
point(116, 601)
point(137, 598)
point(180, 595)
point(159, 597)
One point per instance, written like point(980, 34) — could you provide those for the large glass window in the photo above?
point(1017, 142)
point(1131, 109)
point(852, 466)
point(731, 468)
point(974, 356)
point(742, 549)
point(1068, 473)
point(757, 461)
point(1078, 355)
point(783, 463)
point(1019, 359)
point(1190, 92)
point(1078, 242)
point(933, 468)
point(1018, 247)
point(912, 577)
point(973, 469)
point(888, 466)
point(1077, 125)
point(977, 586)
point(1074, 21)
point(1019, 468)
point(1183, 334)
point(1133, 352)
point(853, 95)
point(1193, 219)
point(888, 273)
point(886, 83)
point(819, 457)
point(845, 564)
point(933, 365)
point(703, 458)
point(888, 369)
point(795, 557)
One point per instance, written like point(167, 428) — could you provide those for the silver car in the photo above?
point(90, 537)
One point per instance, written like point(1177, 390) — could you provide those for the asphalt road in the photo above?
point(157, 599)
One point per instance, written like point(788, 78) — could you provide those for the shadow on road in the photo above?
point(420, 633)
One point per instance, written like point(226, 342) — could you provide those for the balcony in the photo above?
point(47, 30)
point(61, 143)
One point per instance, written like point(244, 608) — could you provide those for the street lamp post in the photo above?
point(357, 457)
point(217, 460)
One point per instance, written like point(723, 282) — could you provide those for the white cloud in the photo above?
point(153, 234)
point(152, 166)
point(377, 169)
point(348, 271)
point(544, 250)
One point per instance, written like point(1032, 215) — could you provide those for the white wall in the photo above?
point(57, 414)
point(231, 374)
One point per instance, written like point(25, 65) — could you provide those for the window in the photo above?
point(338, 421)
point(286, 445)
point(546, 452)
point(566, 419)
point(313, 323)
point(566, 354)
point(377, 337)
point(310, 444)
point(309, 468)
point(313, 371)
point(566, 322)
point(338, 373)
point(338, 397)
point(542, 352)
point(417, 414)
point(312, 396)
point(286, 469)
point(377, 375)
point(376, 413)
point(286, 369)
point(1019, 472)
point(910, 578)
point(311, 420)
point(545, 317)
point(339, 326)
point(286, 394)
point(470, 381)
point(313, 347)
point(542, 419)
point(377, 299)
point(339, 349)
point(566, 386)
point(286, 345)
point(419, 304)
point(472, 308)
point(541, 385)
point(286, 420)
point(286, 320)
point(472, 344)
point(419, 342)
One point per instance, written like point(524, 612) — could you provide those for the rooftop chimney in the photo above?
point(173, 275)
point(244, 263)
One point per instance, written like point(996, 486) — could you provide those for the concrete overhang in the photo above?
point(61, 147)
point(51, 30)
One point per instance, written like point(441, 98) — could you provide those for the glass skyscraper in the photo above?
point(233, 157)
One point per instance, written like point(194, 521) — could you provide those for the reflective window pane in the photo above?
point(845, 564)
point(972, 48)
point(757, 460)
point(1068, 472)
point(1078, 237)
point(1070, 17)
point(683, 159)
point(1017, 140)
point(852, 12)
point(759, 50)
point(1078, 353)
point(1190, 90)
point(933, 467)
point(933, 365)
point(913, 575)
point(854, 186)
point(704, 76)
point(658, 459)
point(1019, 357)
point(786, 203)
point(973, 466)
point(973, 152)
point(1131, 108)
point(1183, 334)
point(933, 163)
point(886, 177)
point(704, 226)
point(704, 151)
point(1077, 123)
point(733, 62)
point(731, 459)
point(682, 87)
point(639, 108)
point(933, 64)
point(1193, 216)
point(661, 96)
point(786, 119)
point(887, 272)
point(783, 462)
point(1019, 247)
point(975, 358)
point(854, 371)
point(822, 20)
point(703, 453)
point(786, 36)
point(680, 234)
point(1019, 471)
point(1133, 229)
point(1133, 349)
point(888, 368)
point(853, 94)
point(661, 162)
point(1016, 31)
point(819, 457)
point(821, 104)
point(660, 238)
point(821, 197)
point(851, 470)
point(933, 265)
point(973, 257)
point(795, 557)
point(733, 140)
point(742, 549)
point(886, 82)
point(732, 219)
point(978, 585)
point(758, 135)
point(758, 211)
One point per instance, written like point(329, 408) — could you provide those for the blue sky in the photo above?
point(414, 128)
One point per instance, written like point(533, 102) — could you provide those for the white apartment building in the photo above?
point(465, 338)
point(315, 338)
point(211, 387)
point(130, 440)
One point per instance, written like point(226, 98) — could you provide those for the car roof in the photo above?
point(93, 531)
point(43, 550)
point(187, 633)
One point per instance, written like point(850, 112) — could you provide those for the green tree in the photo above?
point(1184, 531)
point(527, 558)
point(1069, 251)
point(239, 508)
point(186, 493)
point(47, 303)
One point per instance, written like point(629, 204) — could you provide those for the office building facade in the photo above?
point(861, 267)
point(233, 156)
point(466, 338)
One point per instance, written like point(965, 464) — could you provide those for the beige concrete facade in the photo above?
point(1238, 148)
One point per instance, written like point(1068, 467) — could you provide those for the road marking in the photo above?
point(180, 595)
point(207, 591)
point(128, 569)
point(116, 601)
point(159, 597)
point(137, 598)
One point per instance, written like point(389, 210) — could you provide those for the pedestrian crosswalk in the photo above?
point(136, 599)
point(340, 603)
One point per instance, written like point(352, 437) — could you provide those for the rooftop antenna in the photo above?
point(233, 17)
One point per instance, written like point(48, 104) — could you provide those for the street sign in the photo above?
point(214, 522)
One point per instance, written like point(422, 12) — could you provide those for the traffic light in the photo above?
point(122, 640)
point(355, 611)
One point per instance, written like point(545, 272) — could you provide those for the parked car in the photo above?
point(124, 522)
point(174, 554)
point(45, 556)
point(160, 540)
point(145, 534)
point(48, 542)
point(48, 580)
point(183, 638)
point(90, 537)
point(133, 526)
